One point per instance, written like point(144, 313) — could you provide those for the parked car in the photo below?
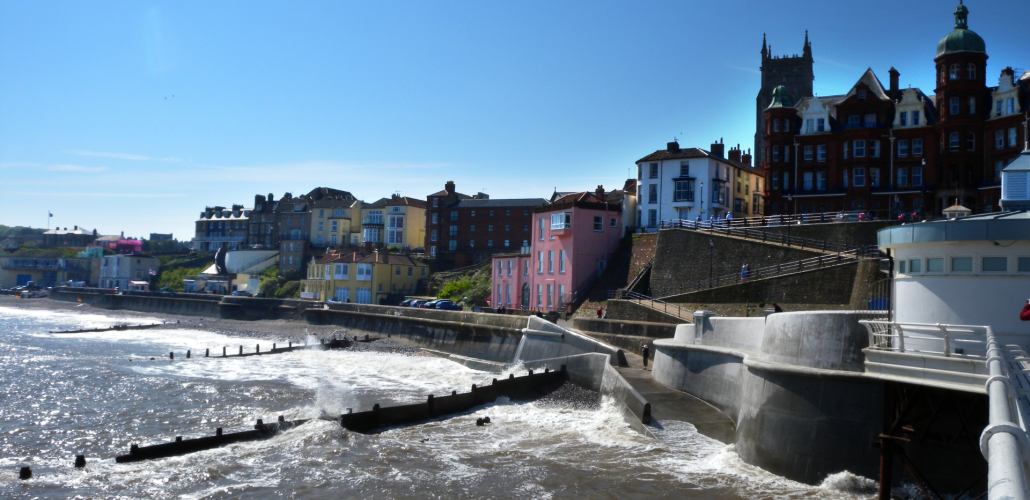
point(406, 303)
point(241, 293)
point(430, 304)
point(446, 305)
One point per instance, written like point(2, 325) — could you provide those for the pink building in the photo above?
point(573, 238)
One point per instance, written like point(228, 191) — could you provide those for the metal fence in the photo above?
point(757, 234)
point(653, 303)
point(937, 339)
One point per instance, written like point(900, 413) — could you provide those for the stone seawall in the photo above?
point(186, 304)
point(489, 337)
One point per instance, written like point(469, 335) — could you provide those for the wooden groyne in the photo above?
point(526, 387)
point(183, 446)
point(116, 328)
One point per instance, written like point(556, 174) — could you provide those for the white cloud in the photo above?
point(121, 156)
point(74, 168)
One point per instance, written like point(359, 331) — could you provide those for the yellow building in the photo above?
point(376, 278)
point(335, 218)
point(397, 221)
point(748, 185)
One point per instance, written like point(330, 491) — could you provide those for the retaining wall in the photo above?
point(830, 285)
point(792, 382)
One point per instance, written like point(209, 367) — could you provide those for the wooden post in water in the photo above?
point(187, 354)
point(207, 352)
point(171, 355)
point(273, 346)
point(223, 351)
point(241, 350)
point(258, 349)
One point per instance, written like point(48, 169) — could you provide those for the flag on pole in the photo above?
point(152, 272)
point(51, 214)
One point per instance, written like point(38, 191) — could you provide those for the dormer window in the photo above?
point(820, 125)
point(903, 118)
point(915, 118)
point(861, 95)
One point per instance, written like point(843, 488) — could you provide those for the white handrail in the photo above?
point(892, 336)
point(1004, 441)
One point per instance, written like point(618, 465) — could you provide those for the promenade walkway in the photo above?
point(672, 405)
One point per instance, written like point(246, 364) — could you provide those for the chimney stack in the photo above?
point(734, 154)
point(673, 147)
point(449, 187)
point(746, 158)
point(718, 149)
point(894, 83)
point(599, 192)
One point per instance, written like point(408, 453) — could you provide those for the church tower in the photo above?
point(793, 72)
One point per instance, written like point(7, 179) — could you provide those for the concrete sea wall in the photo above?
point(792, 382)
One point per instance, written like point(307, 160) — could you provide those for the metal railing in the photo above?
point(926, 338)
point(776, 270)
point(781, 220)
point(1004, 441)
point(756, 234)
point(653, 303)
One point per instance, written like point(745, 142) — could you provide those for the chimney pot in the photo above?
point(600, 192)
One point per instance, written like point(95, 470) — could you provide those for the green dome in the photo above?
point(781, 98)
point(962, 39)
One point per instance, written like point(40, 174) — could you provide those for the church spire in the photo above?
point(765, 51)
point(960, 16)
point(807, 51)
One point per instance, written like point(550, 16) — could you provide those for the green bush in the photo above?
point(289, 290)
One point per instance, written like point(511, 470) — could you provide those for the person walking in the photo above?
point(600, 312)
point(644, 351)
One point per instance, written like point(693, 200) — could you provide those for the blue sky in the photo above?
point(134, 116)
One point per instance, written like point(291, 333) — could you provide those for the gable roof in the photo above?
point(870, 80)
point(665, 154)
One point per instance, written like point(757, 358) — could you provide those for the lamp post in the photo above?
point(702, 201)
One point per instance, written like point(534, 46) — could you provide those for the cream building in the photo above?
point(397, 221)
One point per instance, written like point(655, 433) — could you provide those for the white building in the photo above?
point(116, 271)
point(968, 271)
point(684, 183)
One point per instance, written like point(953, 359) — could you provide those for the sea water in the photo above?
point(98, 393)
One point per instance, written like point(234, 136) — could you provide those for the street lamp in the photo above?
point(702, 201)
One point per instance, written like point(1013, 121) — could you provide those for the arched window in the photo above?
point(953, 141)
point(954, 72)
point(970, 72)
point(971, 142)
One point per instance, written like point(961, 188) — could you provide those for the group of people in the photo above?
point(745, 271)
point(714, 221)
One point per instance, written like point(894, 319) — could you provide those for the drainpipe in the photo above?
point(796, 145)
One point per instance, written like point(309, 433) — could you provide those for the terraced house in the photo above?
point(335, 218)
point(397, 221)
point(375, 278)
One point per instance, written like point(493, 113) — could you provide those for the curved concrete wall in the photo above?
point(830, 340)
point(542, 340)
point(788, 381)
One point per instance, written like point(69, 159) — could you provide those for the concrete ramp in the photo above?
point(545, 340)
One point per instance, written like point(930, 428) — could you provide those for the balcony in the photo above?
point(907, 188)
point(372, 221)
point(29, 265)
point(221, 239)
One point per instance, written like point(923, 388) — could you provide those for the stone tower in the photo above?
point(793, 72)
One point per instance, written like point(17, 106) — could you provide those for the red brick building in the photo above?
point(891, 150)
point(462, 230)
